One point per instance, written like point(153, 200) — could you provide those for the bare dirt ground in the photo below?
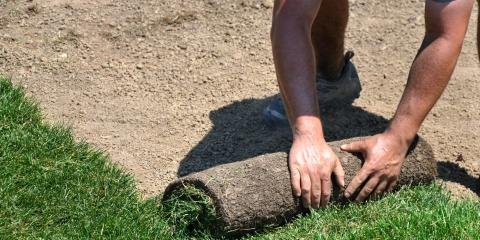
point(171, 87)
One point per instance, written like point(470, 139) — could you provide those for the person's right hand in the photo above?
point(311, 163)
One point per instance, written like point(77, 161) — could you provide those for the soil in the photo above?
point(171, 87)
point(256, 192)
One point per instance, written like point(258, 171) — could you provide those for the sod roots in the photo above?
point(241, 197)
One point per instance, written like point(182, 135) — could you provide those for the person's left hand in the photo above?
point(384, 155)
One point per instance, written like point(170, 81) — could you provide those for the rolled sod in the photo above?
point(245, 196)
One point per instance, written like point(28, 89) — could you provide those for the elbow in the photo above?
point(447, 34)
point(292, 16)
point(452, 40)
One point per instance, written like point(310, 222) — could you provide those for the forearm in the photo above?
point(295, 66)
point(428, 78)
point(433, 67)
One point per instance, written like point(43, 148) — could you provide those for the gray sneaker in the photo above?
point(340, 92)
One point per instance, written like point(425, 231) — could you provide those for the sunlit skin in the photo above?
point(308, 34)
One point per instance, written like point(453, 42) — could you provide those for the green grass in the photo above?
point(424, 212)
point(53, 187)
point(190, 212)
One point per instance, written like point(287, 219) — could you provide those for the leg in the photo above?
point(328, 35)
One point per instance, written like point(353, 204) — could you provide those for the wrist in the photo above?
point(307, 126)
point(406, 134)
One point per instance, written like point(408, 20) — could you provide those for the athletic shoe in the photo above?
point(340, 92)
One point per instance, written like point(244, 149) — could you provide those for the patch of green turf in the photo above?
point(53, 187)
point(191, 212)
point(424, 212)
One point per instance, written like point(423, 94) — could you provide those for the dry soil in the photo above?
point(170, 87)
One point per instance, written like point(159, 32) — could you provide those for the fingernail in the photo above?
point(343, 146)
point(347, 194)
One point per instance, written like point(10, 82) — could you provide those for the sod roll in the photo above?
point(251, 194)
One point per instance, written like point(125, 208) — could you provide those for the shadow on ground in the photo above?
point(452, 172)
point(239, 132)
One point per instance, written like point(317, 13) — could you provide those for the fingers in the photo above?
point(295, 180)
point(316, 188)
point(375, 187)
point(326, 192)
point(382, 186)
point(339, 174)
point(306, 190)
point(358, 146)
point(392, 186)
point(356, 182)
point(367, 189)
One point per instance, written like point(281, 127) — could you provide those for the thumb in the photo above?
point(358, 146)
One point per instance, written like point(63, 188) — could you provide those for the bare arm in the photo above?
point(311, 160)
point(446, 25)
point(294, 59)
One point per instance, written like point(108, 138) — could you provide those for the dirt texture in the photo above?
point(254, 193)
point(165, 87)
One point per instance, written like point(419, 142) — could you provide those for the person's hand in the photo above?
point(311, 163)
point(384, 155)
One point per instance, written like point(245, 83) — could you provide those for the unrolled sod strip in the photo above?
point(251, 194)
